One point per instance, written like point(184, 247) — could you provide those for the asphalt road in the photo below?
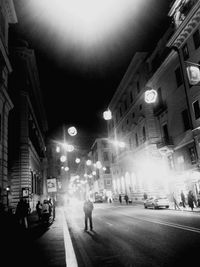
point(131, 236)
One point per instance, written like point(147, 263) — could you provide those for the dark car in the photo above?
point(98, 199)
point(156, 202)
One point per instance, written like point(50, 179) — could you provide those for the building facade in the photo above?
point(28, 126)
point(161, 155)
point(100, 155)
point(7, 17)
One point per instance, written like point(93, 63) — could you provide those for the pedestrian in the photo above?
point(126, 199)
point(183, 199)
point(45, 211)
point(88, 208)
point(176, 206)
point(145, 196)
point(191, 200)
point(53, 207)
point(39, 210)
point(22, 212)
point(120, 199)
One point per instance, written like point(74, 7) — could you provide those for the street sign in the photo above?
point(25, 192)
point(51, 185)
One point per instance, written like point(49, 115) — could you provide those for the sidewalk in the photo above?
point(36, 246)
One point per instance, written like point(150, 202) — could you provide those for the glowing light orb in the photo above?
point(107, 115)
point(72, 131)
point(150, 96)
point(88, 162)
point(77, 160)
point(63, 158)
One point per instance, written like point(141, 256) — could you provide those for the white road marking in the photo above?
point(70, 256)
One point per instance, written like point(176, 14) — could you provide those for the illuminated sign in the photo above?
point(193, 73)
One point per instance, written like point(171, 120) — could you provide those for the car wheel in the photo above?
point(145, 206)
point(167, 207)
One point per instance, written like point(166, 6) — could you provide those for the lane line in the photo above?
point(179, 226)
point(70, 256)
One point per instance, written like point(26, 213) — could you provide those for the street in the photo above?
point(133, 236)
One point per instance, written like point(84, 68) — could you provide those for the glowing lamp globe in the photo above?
point(150, 96)
point(193, 73)
point(77, 160)
point(88, 162)
point(72, 131)
point(63, 158)
point(107, 115)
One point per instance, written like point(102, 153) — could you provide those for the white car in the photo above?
point(156, 202)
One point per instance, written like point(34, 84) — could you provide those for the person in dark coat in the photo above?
point(22, 212)
point(88, 208)
point(39, 210)
point(120, 199)
point(126, 199)
point(191, 200)
point(183, 199)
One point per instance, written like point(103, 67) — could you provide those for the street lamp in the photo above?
point(150, 96)
point(107, 115)
point(7, 194)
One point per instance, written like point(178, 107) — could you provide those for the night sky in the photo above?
point(78, 82)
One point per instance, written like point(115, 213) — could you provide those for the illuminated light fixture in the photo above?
point(193, 73)
point(150, 96)
point(66, 169)
point(99, 165)
point(70, 148)
point(62, 167)
point(72, 131)
point(63, 158)
point(94, 173)
point(122, 144)
point(77, 160)
point(57, 149)
point(88, 162)
point(104, 168)
point(107, 115)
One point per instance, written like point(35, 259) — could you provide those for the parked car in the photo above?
point(98, 199)
point(156, 202)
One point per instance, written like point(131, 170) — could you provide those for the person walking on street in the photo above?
point(120, 199)
point(176, 206)
point(183, 199)
point(39, 210)
point(191, 200)
point(22, 212)
point(126, 199)
point(88, 208)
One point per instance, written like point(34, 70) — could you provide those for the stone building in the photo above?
point(161, 155)
point(7, 17)
point(28, 126)
point(100, 155)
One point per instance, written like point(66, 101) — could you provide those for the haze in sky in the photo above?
point(83, 49)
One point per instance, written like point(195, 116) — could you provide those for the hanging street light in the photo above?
point(72, 131)
point(107, 115)
point(150, 96)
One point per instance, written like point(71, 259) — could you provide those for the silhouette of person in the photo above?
point(120, 199)
point(22, 212)
point(183, 199)
point(39, 210)
point(191, 200)
point(126, 199)
point(88, 208)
